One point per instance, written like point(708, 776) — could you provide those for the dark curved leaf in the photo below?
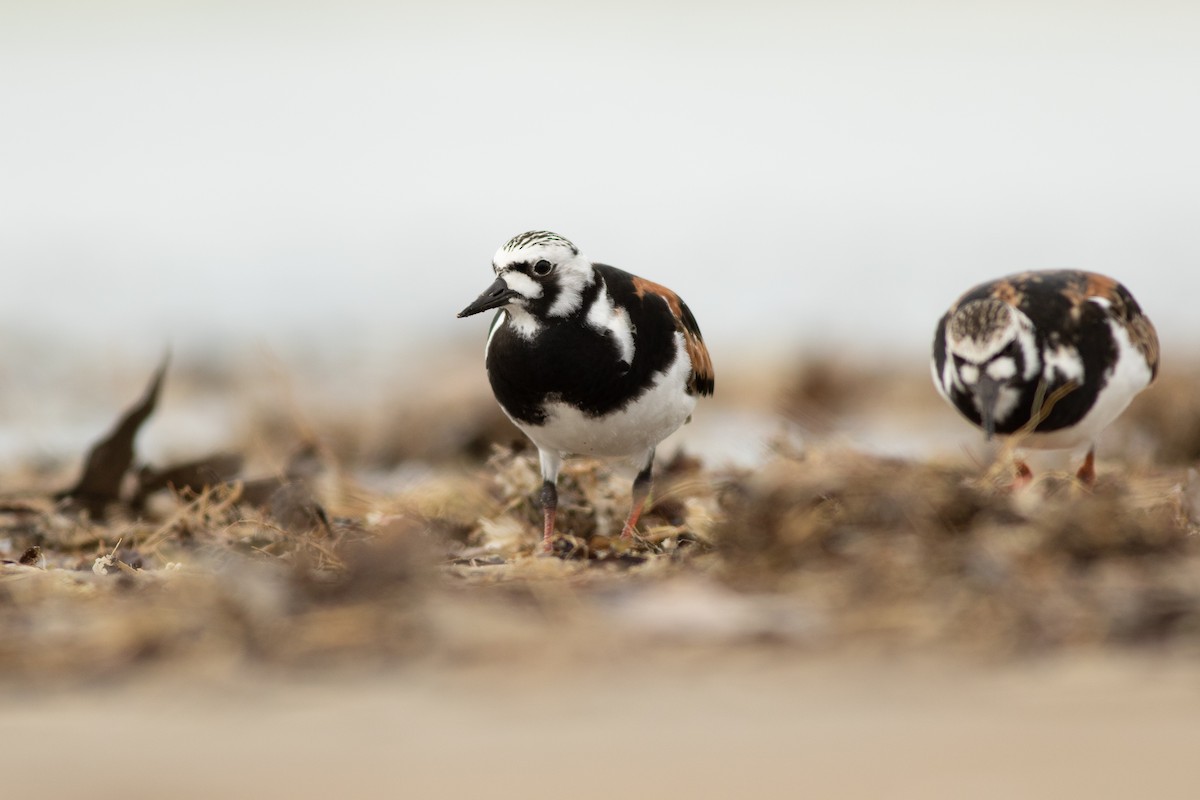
point(110, 458)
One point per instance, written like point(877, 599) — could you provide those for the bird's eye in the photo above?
point(543, 268)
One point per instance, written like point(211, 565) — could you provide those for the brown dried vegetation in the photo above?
point(907, 552)
point(824, 547)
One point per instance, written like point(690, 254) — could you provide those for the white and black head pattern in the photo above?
point(992, 351)
point(1058, 353)
point(540, 276)
point(545, 274)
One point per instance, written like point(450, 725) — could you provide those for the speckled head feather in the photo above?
point(981, 328)
point(531, 238)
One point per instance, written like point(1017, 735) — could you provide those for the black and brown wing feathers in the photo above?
point(574, 363)
point(703, 379)
point(1048, 297)
point(1045, 296)
point(1123, 308)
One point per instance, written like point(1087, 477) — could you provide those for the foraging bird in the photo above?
point(589, 360)
point(1052, 356)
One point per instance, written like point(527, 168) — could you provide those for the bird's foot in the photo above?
point(566, 547)
point(1087, 472)
point(1023, 476)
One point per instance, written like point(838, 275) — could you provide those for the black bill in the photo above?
point(988, 392)
point(494, 296)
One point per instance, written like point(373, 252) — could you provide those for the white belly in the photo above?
point(631, 432)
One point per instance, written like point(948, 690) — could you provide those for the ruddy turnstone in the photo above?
point(589, 360)
point(1050, 357)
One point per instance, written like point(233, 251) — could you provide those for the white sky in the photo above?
point(289, 174)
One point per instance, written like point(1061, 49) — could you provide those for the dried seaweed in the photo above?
point(911, 552)
point(111, 457)
point(825, 547)
point(189, 476)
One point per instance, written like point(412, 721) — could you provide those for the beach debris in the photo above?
point(111, 457)
point(189, 476)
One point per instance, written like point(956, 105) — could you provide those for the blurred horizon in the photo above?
point(318, 189)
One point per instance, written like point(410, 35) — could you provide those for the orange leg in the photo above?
point(641, 490)
point(550, 462)
point(1024, 475)
point(549, 511)
point(1087, 472)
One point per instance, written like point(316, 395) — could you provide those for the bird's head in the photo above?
point(992, 349)
point(539, 273)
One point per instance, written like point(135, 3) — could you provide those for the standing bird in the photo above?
point(1054, 356)
point(589, 360)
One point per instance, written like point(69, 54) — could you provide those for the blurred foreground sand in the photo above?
point(754, 722)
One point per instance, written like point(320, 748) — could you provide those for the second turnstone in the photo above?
point(589, 360)
point(1050, 357)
